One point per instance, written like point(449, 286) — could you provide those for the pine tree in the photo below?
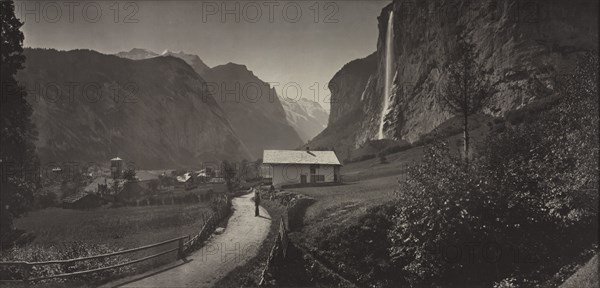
point(17, 133)
point(466, 91)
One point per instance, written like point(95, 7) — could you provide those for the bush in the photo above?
point(382, 158)
point(48, 199)
point(363, 248)
point(524, 206)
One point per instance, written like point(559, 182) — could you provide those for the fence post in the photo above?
point(180, 251)
point(26, 274)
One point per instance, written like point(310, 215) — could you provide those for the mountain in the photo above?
point(256, 113)
point(137, 54)
point(253, 108)
point(156, 113)
point(192, 60)
point(306, 116)
point(519, 45)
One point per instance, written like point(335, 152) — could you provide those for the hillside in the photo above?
point(259, 117)
point(517, 53)
point(162, 116)
point(253, 108)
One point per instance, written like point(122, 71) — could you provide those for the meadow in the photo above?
point(366, 184)
point(122, 227)
point(60, 234)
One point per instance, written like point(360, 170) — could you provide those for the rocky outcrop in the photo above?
point(519, 44)
point(156, 113)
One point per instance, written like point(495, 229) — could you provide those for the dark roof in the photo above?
point(76, 197)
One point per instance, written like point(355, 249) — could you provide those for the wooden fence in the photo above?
point(183, 248)
point(277, 256)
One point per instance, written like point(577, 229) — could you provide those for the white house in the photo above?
point(291, 167)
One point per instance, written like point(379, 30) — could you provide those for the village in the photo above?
point(120, 185)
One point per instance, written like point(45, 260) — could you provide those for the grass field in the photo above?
point(123, 227)
point(367, 184)
point(67, 234)
point(340, 206)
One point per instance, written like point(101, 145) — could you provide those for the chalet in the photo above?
point(293, 167)
point(186, 181)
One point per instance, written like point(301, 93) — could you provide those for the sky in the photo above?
point(296, 45)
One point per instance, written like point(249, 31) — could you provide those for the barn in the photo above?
point(298, 167)
point(83, 200)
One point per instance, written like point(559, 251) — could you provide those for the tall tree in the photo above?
point(17, 133)
point(466, 91)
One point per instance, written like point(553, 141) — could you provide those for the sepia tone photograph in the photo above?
point(307, 143)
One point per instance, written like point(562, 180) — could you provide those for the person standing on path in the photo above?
point(256, 201)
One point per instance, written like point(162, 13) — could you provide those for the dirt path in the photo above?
point(221, 253)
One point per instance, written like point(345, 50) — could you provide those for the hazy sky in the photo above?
point(271, 38)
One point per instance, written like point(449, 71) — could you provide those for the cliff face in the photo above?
point(347, 85)
point(517, 44)
point(91, 107)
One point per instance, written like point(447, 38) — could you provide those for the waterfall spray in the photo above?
point(389, 55)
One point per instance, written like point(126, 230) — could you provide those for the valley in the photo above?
point(458, 146)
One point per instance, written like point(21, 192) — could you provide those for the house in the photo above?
point(187, 181)
point(293, 167)
point(83, 200)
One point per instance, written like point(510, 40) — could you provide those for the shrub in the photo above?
point(528, 195)
point(382, 158)
point(363, 247)
point(48, 199)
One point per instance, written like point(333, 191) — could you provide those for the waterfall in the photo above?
point(389, 55)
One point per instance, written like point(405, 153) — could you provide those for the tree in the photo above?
point(116, 187)
point(153, 185)
point(466, 91)
point(17, 132)
point(229, 173)
point(129, 174)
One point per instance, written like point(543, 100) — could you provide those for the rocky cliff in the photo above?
point(518, 43)
point(156, 112)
